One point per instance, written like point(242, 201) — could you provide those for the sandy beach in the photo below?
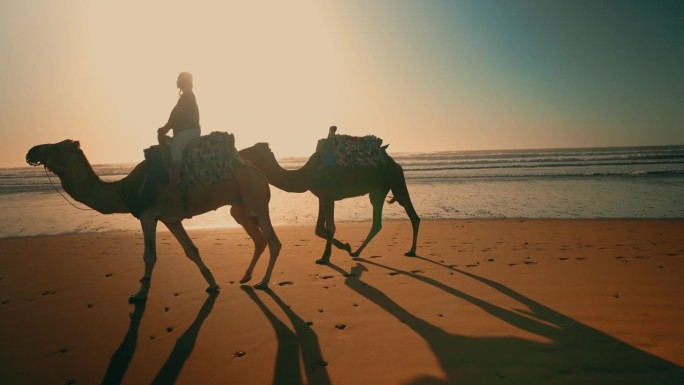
point(485, 302)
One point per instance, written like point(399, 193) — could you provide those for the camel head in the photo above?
point(56, 157)
point(256, 153)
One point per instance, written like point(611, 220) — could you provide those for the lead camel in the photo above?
point(246, 191)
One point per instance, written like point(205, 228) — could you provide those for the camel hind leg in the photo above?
point(255, 195)
point(192, 252)
point(401, 195)
point(377, 200)
point(264, 222)
point(252, 228)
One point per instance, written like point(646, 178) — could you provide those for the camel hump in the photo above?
point(352, 151)
point(209, 159)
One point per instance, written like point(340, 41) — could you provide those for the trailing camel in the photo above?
point(333, 183)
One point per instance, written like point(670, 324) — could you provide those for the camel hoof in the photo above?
point(355, 255)
point(212, 289)
point(261, 286)
point(321, 261)
point(136, 298)
point(410, 254)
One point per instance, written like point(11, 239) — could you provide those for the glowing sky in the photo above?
point(423, 75)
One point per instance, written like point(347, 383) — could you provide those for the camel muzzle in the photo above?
point(35, 156)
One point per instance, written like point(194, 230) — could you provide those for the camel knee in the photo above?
point(150, 258)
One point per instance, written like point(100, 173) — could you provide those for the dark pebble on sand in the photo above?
point(108, 275)
point(167, 308)
point(661, 266)
point(393, 273)
point(176, 294)
point(440, 315)
point(285, 283)
point(239, 354)
point(169, 329)
point(90, 305)
point(152, 338)
point(63, 350)
point(616, 295)
point(340, 326)
point(320, 310)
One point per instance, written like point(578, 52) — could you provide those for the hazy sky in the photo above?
point(423, 75)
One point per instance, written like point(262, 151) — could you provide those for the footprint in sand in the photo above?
point(512, 264)
point(563, 258)
point(530, 262)
point(581, 258)
point(380, 256)
point(328, 276)
point(239, 354)
point(285, 283)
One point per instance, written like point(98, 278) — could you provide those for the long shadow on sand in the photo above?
point(168, 374)
point(290, 344)
point(123, 355)
point(576, 354)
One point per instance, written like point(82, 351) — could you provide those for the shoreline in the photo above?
point(485, 301)
point(235, 226)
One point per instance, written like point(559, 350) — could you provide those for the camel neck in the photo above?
point(287, 180)
point(82, 184)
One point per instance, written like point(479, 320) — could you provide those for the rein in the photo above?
point(60, 193)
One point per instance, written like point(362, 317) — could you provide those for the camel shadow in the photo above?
point(291, 344)
point(168, 374)
point(118, 364)
point(577, 353)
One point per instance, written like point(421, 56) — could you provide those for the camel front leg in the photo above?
point(377, 200)
point(148, 221)
point(326, 225)
point(323, 233)
point(192, 252)
point(252, 229)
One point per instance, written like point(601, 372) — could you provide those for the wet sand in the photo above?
point(485, 302)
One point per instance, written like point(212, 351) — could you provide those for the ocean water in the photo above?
point(625, 182)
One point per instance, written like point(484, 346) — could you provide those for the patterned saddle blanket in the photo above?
point(353, 151)
point(209, 159)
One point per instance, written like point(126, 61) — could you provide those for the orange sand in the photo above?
point(486, 302)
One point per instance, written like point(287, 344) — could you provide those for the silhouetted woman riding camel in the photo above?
point(184, 121)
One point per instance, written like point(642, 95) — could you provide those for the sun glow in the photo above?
point(256, 67)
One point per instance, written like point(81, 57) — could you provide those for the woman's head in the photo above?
point(184, 81)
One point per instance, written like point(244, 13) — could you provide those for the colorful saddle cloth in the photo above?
point(209, 159)
point(353, 151)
